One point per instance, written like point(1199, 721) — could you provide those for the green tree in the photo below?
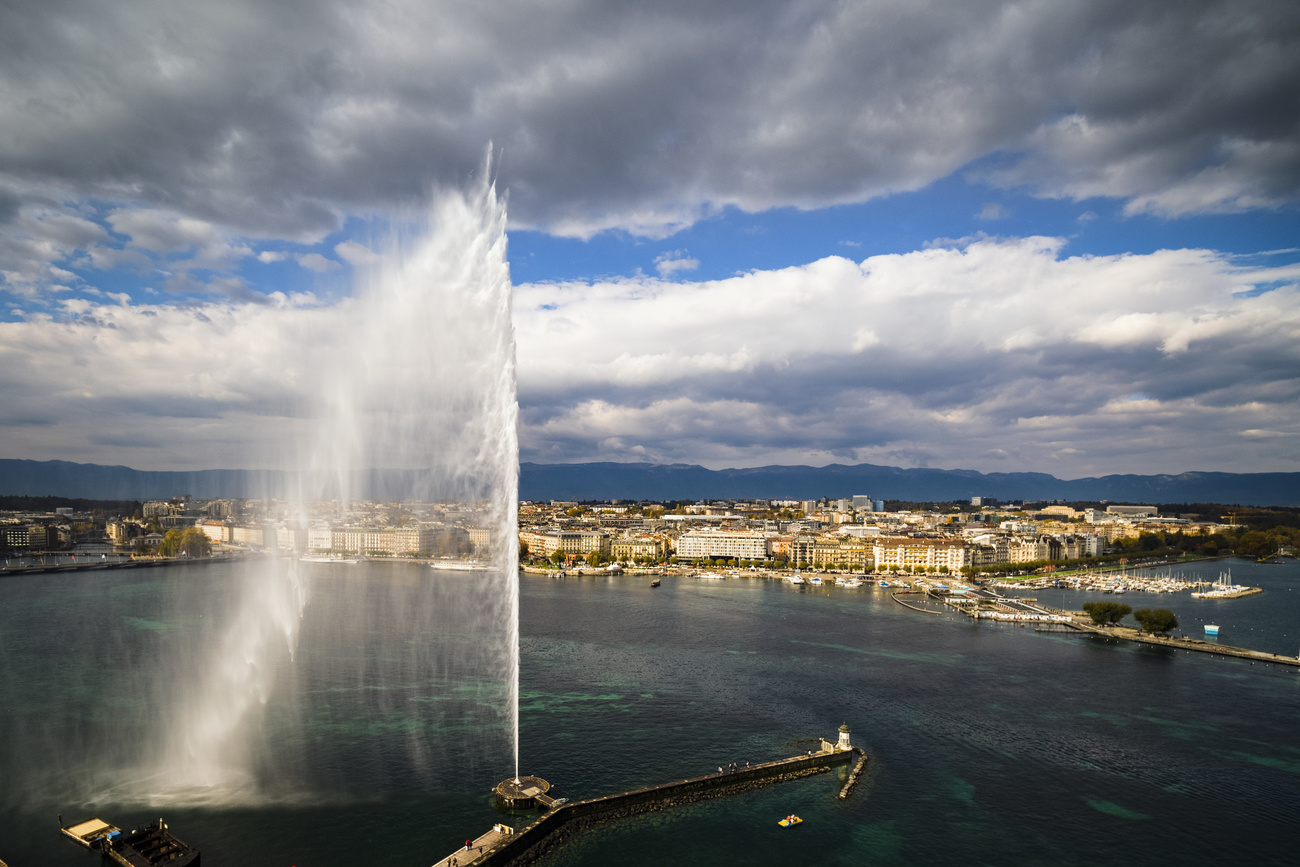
point(170, 546)
point(1107, 613)
point(195, 542)
point(557, 557)
point(1150, 541)
point(190, 542)
point(1156, 620)
point(1253, 543)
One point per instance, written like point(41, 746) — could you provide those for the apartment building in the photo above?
point(696, 544)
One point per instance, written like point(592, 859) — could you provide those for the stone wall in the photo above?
point(556, 826)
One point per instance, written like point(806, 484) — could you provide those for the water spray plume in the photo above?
point(413, 399)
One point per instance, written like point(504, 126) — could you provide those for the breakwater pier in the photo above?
point(1197, 645)
point(986, 604)
point(89, 564)
point(503, 845)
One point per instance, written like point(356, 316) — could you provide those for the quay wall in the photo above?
point(100, 566)
point(894, 596)
point(557, 825)
point(1190, 644)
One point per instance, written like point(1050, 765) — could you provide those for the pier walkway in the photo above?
point(561, 822)
point(483, 843)
point(894, 596)
point(1123, 633)
point(92, 565)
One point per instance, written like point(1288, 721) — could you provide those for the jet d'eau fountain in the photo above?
point(271, 680)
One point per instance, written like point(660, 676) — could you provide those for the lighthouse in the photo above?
point(843, 743)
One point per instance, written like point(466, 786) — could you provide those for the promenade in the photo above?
point(501, 846)
point(1123, 633)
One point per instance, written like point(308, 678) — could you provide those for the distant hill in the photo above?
point(682, 481)
point(599, 481)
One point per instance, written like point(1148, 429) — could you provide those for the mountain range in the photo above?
point(643, 481)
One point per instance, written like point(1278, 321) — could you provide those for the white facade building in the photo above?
point(716, 543)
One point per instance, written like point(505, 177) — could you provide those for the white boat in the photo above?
point(795, 579)
point(1212, 629)
point(816, 579)
point(459, 565)
point(1225, 589)
point(850, 582)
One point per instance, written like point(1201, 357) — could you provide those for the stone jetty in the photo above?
point(504, 846)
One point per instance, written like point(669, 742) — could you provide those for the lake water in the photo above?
point(990, 743)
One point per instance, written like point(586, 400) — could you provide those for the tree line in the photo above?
point(1156, 621)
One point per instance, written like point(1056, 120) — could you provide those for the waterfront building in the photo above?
point(376, 540)
point(253, 535)
point(546, 541)
point(291, 537)
point(855, 554)
point(652, 547)
point(697, 544)
point(906, 553)
point(480, 539)
point(320, 537)
point(217, 531)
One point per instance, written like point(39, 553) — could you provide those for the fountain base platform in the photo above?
point(521, 792)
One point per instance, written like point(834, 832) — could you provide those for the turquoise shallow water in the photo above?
point(990, 743)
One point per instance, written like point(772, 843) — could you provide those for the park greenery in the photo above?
point(190, 542)
point(1155, 620)
point(1107, 613)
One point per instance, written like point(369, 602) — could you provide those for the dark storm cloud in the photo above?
point(274, 119)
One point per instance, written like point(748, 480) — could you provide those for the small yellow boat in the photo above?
point(789, 821)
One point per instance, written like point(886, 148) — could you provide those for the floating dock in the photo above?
point(147, 846)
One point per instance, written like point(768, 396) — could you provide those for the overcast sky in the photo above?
point(1060, 237)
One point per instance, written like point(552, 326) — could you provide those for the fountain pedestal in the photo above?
point(524, 792)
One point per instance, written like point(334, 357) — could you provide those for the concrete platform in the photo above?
point(524, 792)
point(483, 843)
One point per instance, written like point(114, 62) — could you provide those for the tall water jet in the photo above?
point(409, 395)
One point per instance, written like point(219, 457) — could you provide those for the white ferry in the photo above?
point(459, 565)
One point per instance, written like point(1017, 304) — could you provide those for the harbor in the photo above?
point(628, 686)
point(985, 603)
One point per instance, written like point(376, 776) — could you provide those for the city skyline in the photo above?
point(995, 236)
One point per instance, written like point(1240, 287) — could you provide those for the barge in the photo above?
point(146, 846)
